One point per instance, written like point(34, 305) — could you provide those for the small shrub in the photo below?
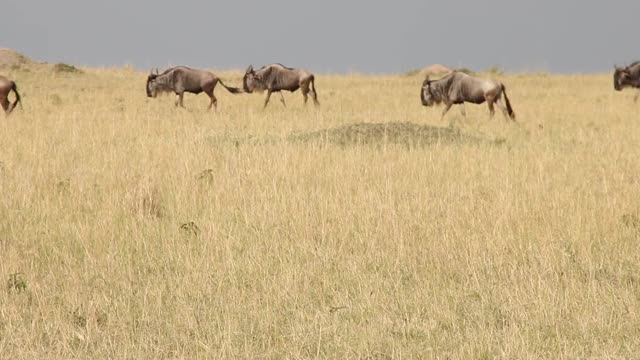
point(631, 221)
point(16, 282)
point(56, 100)
point(190, 228)
point(63, 186)
point(206, 175)
point(78, 318)
point(66, 68)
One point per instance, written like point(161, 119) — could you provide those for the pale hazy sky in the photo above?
point(334, 36)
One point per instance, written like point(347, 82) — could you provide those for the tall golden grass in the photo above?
point(361, 229)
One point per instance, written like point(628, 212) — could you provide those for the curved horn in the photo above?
point(249, 69)
point(157, 72)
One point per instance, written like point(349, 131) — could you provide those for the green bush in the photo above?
point(66, 68)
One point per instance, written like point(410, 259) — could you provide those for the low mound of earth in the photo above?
point(404, 133)
point(374, 134)
point(435, 69)
point(12, 58)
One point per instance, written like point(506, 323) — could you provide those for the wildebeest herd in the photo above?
point(455, 88)
point(271, 78)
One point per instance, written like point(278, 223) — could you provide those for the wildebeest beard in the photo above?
point(627, 77)
point(257, 85)
point(435, 94)
point(162, 84)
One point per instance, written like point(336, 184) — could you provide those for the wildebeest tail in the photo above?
point(313, 89)
point(313, 84)
point(231, 89)
point(14, 87)
point(512, 114)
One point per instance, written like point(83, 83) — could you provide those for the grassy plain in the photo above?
point(132, 229)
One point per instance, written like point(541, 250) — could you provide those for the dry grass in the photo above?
point(362, 229)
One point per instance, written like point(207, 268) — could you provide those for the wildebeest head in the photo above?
point(621, 78)
point(252, 81)
point(426, 94)
point(152, 84)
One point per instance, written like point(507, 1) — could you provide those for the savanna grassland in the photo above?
point(366, 228)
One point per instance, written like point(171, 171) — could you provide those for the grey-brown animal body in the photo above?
point(6, 86)
point(458, 88)
point(628, 76)
point(277, 78)
point(182, 79)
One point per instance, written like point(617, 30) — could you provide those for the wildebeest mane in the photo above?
point(440, 87)
point(174, 68)
point(288, 68)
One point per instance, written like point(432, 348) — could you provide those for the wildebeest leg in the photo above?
point(304, 89)
point(446, 108)
point(5, 105)
point(214, 102)
point(492, 110)
point(266, 101)
point(179, 97)
point(282, 99)
point(635, 98)
point(462, 110)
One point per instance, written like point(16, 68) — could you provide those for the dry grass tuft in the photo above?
point(147, 202)
point(631, 220)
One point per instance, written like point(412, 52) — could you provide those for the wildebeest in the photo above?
point(627, 77)
point(458, 88)
point(276, 78)
point(182, 79)
point(6, 86)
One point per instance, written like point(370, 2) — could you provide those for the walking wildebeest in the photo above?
point(458, 88)
point(627, 77)
point(6, 86)
point(276, 78)
point(182, 79)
